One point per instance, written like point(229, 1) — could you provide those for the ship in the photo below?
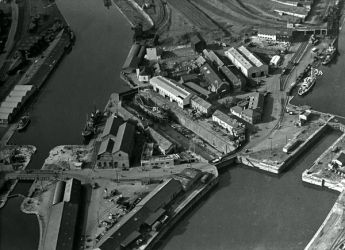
point(23, 123)
point(330, 53)
point(150, 108)
point(91, 124)
point(308, 83)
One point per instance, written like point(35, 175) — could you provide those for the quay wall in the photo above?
point(142, 11)
point(279, 167)
point(181, 213)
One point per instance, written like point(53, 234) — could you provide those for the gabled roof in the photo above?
point(107, 145)
point(112, 125)
point(341, 158)
point(161, 194)
point(125, 138)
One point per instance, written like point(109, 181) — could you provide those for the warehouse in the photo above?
point(165, 146)
point(117, 152)
point(134, 57)
point(247, 62)
point(238, 82)
point(170, 88)
point(284, 36)
point(201, 105)
point(204, 93)
point(216, 85)
point(147, 210)
point(232, 125)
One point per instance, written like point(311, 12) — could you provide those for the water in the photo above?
point(328, 93)
point(248, 210)
point(86, 77)
point(252, 210)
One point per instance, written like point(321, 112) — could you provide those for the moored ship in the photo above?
point(149, 107)
point(308, 83)
point(23, 123)
point(330, 53)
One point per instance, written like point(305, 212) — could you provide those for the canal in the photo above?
point(85, 78)
point(248, 209)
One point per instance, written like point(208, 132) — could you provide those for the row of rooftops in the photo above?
point(117, 136)
point(14, 100)
point(245, 57)
point(234, 123)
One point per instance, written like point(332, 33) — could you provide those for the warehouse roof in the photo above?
point(161, 194)
point(227, 119)
point(253, 59)
point(125, 138)
point(232, 77)
point(112, 125)
point(197, 88)
point(61, 226)
point(169, 85)
point(163, 142)
point(107, 145)
point(240, 58)
point(201, 102)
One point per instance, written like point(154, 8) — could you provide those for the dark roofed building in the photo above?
point(197, 43)
point(134, 57)
point(117, 152)
point(340, 160)
point(215, 83)
point(61, 227)
point(154, 217)
point(112, 125)
point(238, 82)
point(161, 195)
point(199, 90)
point(147, 210)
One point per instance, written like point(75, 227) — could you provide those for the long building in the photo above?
point(151, 204)
point(235, 127)
point(247, 62)
point(216, 84)
point(170, 88)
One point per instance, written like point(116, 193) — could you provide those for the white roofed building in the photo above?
point(247, 62)
point(170, 88)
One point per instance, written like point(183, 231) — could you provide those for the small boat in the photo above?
point(330, 53)
point(23, 123)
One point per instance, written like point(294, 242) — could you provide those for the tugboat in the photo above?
point(23, 123)
point(89, 130)
point(330, 52)
point(308, 83)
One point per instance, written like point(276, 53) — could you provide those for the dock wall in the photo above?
point(280, 166)
point(181, 213)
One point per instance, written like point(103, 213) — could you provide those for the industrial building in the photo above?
point(14, 101)
point(188, 177)
point(197, 43)
point(134, 58)
point(200, 91)
point(253, 112)
point(215, 84)
point(213, 58)
point(170, 88)
point(284, 35)
point(164, 145)
point(117, 151)
point(63, 216)
point(112, 126)
point(247, 62)
point(146, 212)
point(235, 127)
point(158, 161)
point(238, 82)
point(201, 105)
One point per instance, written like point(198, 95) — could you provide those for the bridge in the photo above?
point(42, 175)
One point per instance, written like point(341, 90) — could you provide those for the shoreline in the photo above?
point(30, 151)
